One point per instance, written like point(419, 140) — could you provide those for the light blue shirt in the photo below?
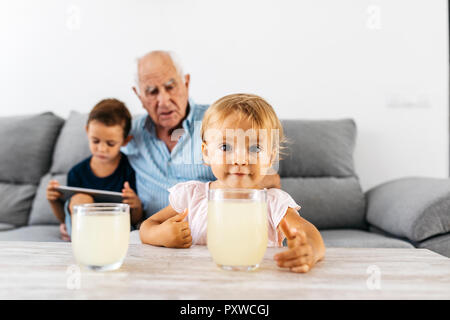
point(158, 169)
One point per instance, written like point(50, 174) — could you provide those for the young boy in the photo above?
point(107, 128)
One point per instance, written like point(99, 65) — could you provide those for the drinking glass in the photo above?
point(237, 227)
point(100, 235)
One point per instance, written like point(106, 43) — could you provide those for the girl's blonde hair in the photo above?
point(249, 107)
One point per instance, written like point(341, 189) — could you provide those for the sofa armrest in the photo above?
point(412, 208)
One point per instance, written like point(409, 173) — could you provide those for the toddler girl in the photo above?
point(241, 137)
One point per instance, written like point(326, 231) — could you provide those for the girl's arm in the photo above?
point(166, 228)
point(306, 246)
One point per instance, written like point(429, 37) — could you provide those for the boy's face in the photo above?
point(239, 156)
point(105, 141)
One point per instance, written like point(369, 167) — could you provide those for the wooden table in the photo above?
point(47, 270)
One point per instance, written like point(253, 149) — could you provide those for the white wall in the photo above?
point(382, 62)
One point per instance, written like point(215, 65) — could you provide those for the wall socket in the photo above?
point(402, 102)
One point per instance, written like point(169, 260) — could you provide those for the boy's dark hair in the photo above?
point(111, 112)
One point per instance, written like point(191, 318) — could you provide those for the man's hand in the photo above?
point(300, 256)
point(52, 194)
point(176, 232)
point(130, 197)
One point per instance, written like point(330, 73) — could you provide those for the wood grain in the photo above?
point(42, 270)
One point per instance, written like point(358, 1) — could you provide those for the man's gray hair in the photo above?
point(173, 56)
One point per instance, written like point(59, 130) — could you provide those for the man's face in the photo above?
point(162, 91)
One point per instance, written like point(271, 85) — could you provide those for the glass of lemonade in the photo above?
point(100, 235)
point(237, 227)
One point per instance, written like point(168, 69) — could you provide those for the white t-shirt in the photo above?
point(193, 195)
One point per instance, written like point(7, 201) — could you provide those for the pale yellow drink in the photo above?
point(100, 240)
point(237, 232)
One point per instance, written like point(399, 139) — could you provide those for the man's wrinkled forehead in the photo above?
point(156, 70)
point(156, 76)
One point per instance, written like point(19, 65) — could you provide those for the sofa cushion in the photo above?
point(15, 203)
point(41, 212)
point(318, 148)
point(26, 153)
point(439, 244)
point(32, 233)
point(328, 202)
point(72, 144)
point(413, 208)
point(347, 238)
point(6, 226)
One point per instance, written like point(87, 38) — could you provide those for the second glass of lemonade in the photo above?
point(100, 235)
point(237, 227)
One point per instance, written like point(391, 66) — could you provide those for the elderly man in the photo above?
point(166, 148)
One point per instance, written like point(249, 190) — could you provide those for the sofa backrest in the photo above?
point(26, 149)
point(71, 147)
point(318, 172)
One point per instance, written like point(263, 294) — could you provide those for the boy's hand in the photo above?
point(130, 197)
point(52, 194)
point(63, 231)
point(300, 256)
point(176, 231)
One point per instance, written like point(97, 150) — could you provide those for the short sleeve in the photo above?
point(278, 203)
point(130, 174)
point(72, 179)
point(132, 180)
point(180, 195)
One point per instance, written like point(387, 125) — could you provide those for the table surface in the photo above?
point(47, 270)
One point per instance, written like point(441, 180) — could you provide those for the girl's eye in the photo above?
point(225, 147)
point(255, 149)
point(95, 141)
point(110, 144)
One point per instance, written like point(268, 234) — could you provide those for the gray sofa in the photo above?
point(317, 171)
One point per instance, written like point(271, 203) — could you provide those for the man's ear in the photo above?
point(127, 139)
point(187, 80)
point(205, 153)
point(137, 93)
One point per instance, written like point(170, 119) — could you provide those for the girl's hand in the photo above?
point(300, 256)
point(130, 197)
point(52, 194)
point(176, 232)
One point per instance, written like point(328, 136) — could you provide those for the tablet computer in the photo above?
point(98, 195)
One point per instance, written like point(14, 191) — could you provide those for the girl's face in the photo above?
point(239, 156)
